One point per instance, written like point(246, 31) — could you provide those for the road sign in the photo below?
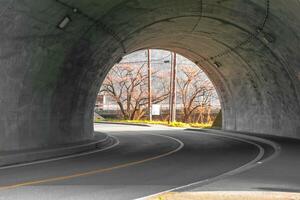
point(156, 109)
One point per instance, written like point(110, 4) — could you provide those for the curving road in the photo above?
point(142, 161)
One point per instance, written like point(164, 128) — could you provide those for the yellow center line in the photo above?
point(87, 173)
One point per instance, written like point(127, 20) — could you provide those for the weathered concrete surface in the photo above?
point(49, 77)
point(99, 143)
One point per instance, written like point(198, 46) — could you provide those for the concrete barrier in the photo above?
point(21, 157)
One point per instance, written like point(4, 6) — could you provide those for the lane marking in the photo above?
point(97, 171)
point(63, 157)
point(200, 183)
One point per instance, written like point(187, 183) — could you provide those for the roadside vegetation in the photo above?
point(165, 123)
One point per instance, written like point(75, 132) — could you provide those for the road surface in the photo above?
point(141, 162)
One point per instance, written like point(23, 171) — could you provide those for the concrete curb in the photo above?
point(8, 159)
point(123, 123)
point(260, 135)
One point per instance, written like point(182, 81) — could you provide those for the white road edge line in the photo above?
point(238, 170)
point(178, 148)
point(181, 144)
point(63, 157)
point(276, 146)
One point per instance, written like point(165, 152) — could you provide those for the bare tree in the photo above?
point(126, 84)
point(195, 92)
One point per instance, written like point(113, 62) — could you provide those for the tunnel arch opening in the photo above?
point(124, 91)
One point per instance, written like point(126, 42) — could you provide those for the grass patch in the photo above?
point(201, 125)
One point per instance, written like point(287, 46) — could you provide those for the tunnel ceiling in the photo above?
point(50, 76)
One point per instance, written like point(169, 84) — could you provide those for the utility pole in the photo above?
point(173, 90)
point(149, 85)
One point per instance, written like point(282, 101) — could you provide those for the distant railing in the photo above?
point(116, 114)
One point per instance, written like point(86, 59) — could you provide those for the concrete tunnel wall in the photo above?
point(49, 77)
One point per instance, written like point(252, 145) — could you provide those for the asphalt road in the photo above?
point(143, 161)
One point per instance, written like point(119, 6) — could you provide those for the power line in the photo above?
point(145, 61)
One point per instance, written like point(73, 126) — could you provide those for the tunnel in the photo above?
point(54, 55)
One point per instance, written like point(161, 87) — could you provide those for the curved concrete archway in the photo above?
point(50, 76)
